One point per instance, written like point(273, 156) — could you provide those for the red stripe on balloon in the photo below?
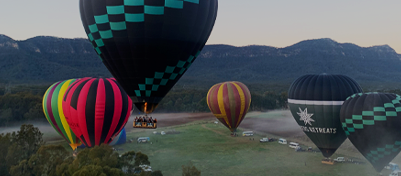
point(99, 110)
point(118, 102)
point(128, 113)
point(226, 101)
point(81, 109)
point(69, 112)
point(129, 101)
point(214, 99)
point(237, 104)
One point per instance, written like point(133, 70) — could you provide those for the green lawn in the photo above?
point(213, 151)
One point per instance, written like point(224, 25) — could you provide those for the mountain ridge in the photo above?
point(46, 59)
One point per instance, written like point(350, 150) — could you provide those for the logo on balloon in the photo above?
point(305, 116)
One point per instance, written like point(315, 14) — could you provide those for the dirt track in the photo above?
point(172, 119)
point(282, 124)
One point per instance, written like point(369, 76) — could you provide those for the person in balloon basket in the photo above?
point(137, 121)
point(150, 123)
point(140, 121)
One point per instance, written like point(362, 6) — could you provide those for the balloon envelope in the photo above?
point(147, 45)
point(121, 138)
point(97, 109)
point(372, 122)
point(52, 108)
point(229, 102)
point(315, 102)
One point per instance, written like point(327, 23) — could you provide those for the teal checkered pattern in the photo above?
point(388, 110)
point(129, 18)
point(379, 153)
point(170, 73)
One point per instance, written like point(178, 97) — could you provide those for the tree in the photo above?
point(5, 143)
point(141, 159)
point(22, 169)
point(25, 143)
point(46, 159)
point(62, 169)
point(190, 170)
point(102, 157)
point(126, 161)
point(90, 170)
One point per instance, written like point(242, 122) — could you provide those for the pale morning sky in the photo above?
point(277, 23)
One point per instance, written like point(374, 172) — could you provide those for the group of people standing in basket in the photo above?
point(149, 120)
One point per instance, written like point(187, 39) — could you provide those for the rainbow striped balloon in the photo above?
point(52, 108)
point(229, 102)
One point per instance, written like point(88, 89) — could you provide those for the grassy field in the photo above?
point(213, 151)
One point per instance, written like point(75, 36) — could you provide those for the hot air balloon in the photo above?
point(147, 45)
point(52, 108)
point(121, 138)
point(229, 102)
point(372, 122)
point(315, 102)
point(96, 109)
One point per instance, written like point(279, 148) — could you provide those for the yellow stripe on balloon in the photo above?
point(221, 104)
point(61, 94)
point(242, 97)
point(219, 116)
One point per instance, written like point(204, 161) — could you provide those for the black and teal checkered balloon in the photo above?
point(372, 122)
point(148, 45)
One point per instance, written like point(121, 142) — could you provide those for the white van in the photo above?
point(293, 145)
point(247, 133)
point(282, 141)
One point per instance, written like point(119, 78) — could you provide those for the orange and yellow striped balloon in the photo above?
point(229, 102)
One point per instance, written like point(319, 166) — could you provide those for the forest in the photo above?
point(24, 103)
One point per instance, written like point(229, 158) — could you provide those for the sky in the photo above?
point(277, 23)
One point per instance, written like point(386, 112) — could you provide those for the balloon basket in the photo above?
point(145, 125)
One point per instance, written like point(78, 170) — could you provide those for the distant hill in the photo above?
point(43, 60)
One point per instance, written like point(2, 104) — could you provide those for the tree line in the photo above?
point(24, 153)
point(25, 103)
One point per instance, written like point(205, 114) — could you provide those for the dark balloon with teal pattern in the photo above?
point(148, 45)
point(372, 122)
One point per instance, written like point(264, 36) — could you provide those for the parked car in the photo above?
point(247, 133)
point(282, 141)
point(395, 173)
point(143, 139)
point(339, 159)
point(266, 140)
point(392, 166)
point(300, 149)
